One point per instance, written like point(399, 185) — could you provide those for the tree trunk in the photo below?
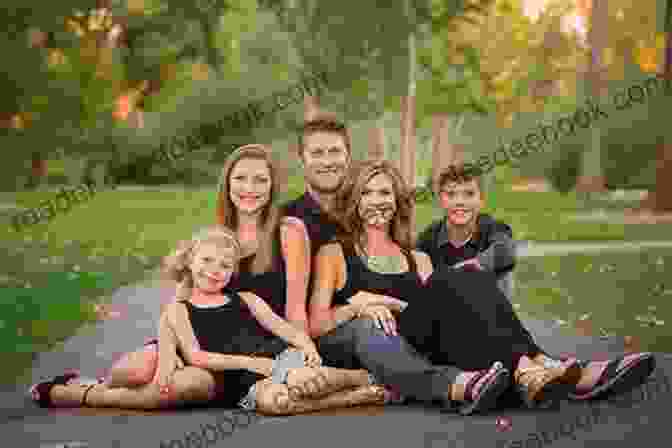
point(592, 178)
point(444, 152)
point(660, 200)
point(311, 107)
point(377, 141)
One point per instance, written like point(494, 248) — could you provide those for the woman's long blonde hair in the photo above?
point(346, 204)
point(270, 216)
point(176, 265)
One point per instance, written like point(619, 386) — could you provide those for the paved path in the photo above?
point(533, 249)
point(635, 419)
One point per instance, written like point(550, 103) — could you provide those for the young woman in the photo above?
point(455, 318)
point(215, 328)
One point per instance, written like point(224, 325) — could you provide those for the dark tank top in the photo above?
point(402, 286)
point(231, 328)
point(270, 286)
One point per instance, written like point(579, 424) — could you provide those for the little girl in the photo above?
point(215, 328)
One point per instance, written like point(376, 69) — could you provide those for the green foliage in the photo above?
point(564, 171)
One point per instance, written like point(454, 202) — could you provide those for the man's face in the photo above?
point(325, 161)
point(461, 201)
point(378, 203)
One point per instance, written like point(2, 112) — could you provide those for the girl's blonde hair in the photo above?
point(176, 265)
point(270, 216)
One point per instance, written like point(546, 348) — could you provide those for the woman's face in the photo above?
point(378, 203)
point(212, 266)
point(250, 185)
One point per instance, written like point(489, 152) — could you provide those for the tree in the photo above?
point(85, 94)
point(520, 70)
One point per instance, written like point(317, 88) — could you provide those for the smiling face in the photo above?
point(462, 202)
point(325, 159)
point(212, 266)
point(250, 185)
point(378, 202)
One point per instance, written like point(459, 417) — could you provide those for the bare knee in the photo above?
point(193, 384)
point(135, 369)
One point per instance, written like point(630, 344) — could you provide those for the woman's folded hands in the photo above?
point(365, 298)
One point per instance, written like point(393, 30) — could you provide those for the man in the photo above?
point(325, 153)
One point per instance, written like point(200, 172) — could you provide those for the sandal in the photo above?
point(616, 378)
point(41, 392)
point(558, 379)
point(482, 391)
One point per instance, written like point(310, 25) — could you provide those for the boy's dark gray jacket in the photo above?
point(492, 245)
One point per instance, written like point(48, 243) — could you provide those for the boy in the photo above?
point(466, 238)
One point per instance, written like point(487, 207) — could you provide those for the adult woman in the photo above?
point(375, 256)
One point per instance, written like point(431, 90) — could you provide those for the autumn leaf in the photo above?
point(647, 59)
point(200, 72)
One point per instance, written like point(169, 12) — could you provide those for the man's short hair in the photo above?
point(460, 175)
point(324, 122)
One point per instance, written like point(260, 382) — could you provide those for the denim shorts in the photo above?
point(282, 364)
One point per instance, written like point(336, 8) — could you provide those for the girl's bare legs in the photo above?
point(307, 382)
point(186, 388)
point(276, 399)
point(135, 368)
point(139, 368)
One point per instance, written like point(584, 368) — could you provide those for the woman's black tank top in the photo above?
point(230, 328)
point(402, 286)
point(271, 286)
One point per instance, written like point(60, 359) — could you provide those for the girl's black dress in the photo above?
point(456, 318)
point(232, 329)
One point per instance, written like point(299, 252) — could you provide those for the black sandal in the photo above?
point(41, 392)
point(497, 380)
point(614, 380)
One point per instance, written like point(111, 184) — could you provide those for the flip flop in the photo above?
point(41, 392)
point(553, 391)
point(496, 382)
point(615, 380)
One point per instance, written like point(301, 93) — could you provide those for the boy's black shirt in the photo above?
point(492, 244)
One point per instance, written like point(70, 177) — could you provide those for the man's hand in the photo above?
point(471, 264)
point(382, 316)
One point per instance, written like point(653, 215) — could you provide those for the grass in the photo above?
point(625, 293)
point(119, 237)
